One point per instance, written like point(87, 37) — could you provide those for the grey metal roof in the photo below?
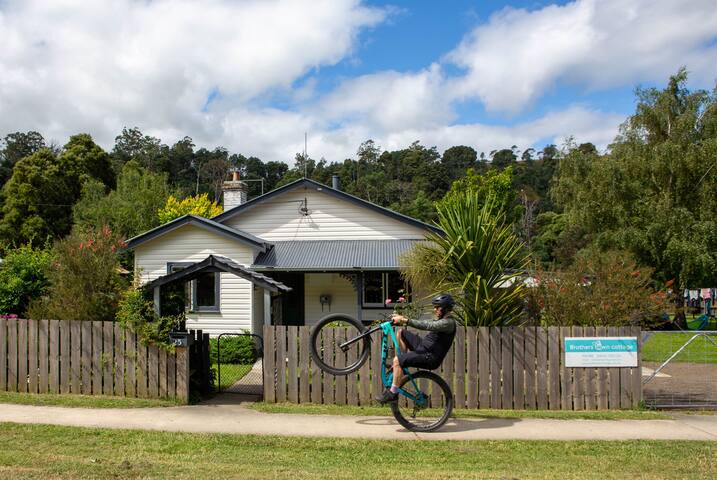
point(318, 255)
point(216, 263)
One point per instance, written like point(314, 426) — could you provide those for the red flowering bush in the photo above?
point(599, 289)
point(85, 283)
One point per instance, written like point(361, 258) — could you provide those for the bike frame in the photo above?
point(387, 372)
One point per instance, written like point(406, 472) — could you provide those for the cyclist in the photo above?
point(427, 352)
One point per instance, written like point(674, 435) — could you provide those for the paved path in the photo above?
point(225, 417)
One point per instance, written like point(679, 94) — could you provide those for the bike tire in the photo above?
point(325, 349)
point(420, 418)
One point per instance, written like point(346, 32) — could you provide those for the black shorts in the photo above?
point(414, 357)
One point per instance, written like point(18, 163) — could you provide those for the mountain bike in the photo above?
point(341, 345)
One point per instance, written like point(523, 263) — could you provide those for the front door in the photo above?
point(292, 303)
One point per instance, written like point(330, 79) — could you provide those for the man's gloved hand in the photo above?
point(399, 320)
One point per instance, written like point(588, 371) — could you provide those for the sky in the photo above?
point(254, 75)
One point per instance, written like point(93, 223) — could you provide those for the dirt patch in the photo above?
point(688, 384)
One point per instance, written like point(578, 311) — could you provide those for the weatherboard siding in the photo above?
point(192, 244)
point(343, 298)
point(329, 218)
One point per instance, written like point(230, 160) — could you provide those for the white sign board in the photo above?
point(601, 351)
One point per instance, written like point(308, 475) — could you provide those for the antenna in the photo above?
point(305, 154)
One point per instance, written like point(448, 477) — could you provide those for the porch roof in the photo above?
point(324, 255)
point(215, 263)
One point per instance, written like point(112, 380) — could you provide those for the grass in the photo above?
point(660, 346)
point(232, 373)
point(41, 451)
point(82, 401)
point(312, 409)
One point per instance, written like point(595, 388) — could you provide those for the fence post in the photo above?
point(269, 365)
point(3, 354)
point(183, 374)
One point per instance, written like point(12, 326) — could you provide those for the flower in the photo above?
point(388, 301)
point(401, 299)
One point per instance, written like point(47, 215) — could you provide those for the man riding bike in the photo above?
point(427, 352)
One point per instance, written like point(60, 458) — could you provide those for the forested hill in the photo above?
point(409, 180)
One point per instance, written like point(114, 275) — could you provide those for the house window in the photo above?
point(379, 286)
point(202, 293)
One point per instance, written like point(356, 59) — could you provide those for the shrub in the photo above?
point(85, 283)
point(599, 289)
point(235, 349)
point(23, 277)
point(136, 313)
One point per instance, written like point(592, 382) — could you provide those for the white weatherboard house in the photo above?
point(288, 257)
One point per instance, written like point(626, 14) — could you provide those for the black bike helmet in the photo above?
point(444, 301)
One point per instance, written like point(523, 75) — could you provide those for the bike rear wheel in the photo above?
point(326, 338)
point(431, 405)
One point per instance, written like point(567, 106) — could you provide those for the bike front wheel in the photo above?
point(327, 337)
point(428, 405)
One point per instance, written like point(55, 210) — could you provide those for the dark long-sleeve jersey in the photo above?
point(440, 337)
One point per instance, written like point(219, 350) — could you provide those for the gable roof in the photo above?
point(307, 183)
point(216, 263)
point(204, 223)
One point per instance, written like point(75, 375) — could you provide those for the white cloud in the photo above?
point(390, 100)
point(518, 55)
point(69, 66)
point(73, 66)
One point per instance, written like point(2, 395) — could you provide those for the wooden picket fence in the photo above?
point(90, 358)
point(505, 368)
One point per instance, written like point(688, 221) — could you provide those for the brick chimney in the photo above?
point(235, 191)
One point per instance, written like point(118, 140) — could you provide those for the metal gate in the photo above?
point(240, 363)
point(679, 369)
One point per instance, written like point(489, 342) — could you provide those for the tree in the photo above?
point(38, 201)
point(128, 210)
point(84, 279)
point(504, 158)
point(653, 192)
point(17, 146)
point(494, 185)
point(82, 159)
point(477, 259)
point(457, 160)
point(148, 151)
point(23, 277)
point(198, 205)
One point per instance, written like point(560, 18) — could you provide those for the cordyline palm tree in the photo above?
point(476, 260)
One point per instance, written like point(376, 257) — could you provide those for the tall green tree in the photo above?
point(653, 194)
point(14, 147)
point(44, 188)
point(128, 210)
point(38, 201)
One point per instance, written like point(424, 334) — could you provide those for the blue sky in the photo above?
point(253, 76)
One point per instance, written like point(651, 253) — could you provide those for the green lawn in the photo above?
point(82, 401)
point(660, 346)
point(40, 452)
point(231, 373)
point(312, 409)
